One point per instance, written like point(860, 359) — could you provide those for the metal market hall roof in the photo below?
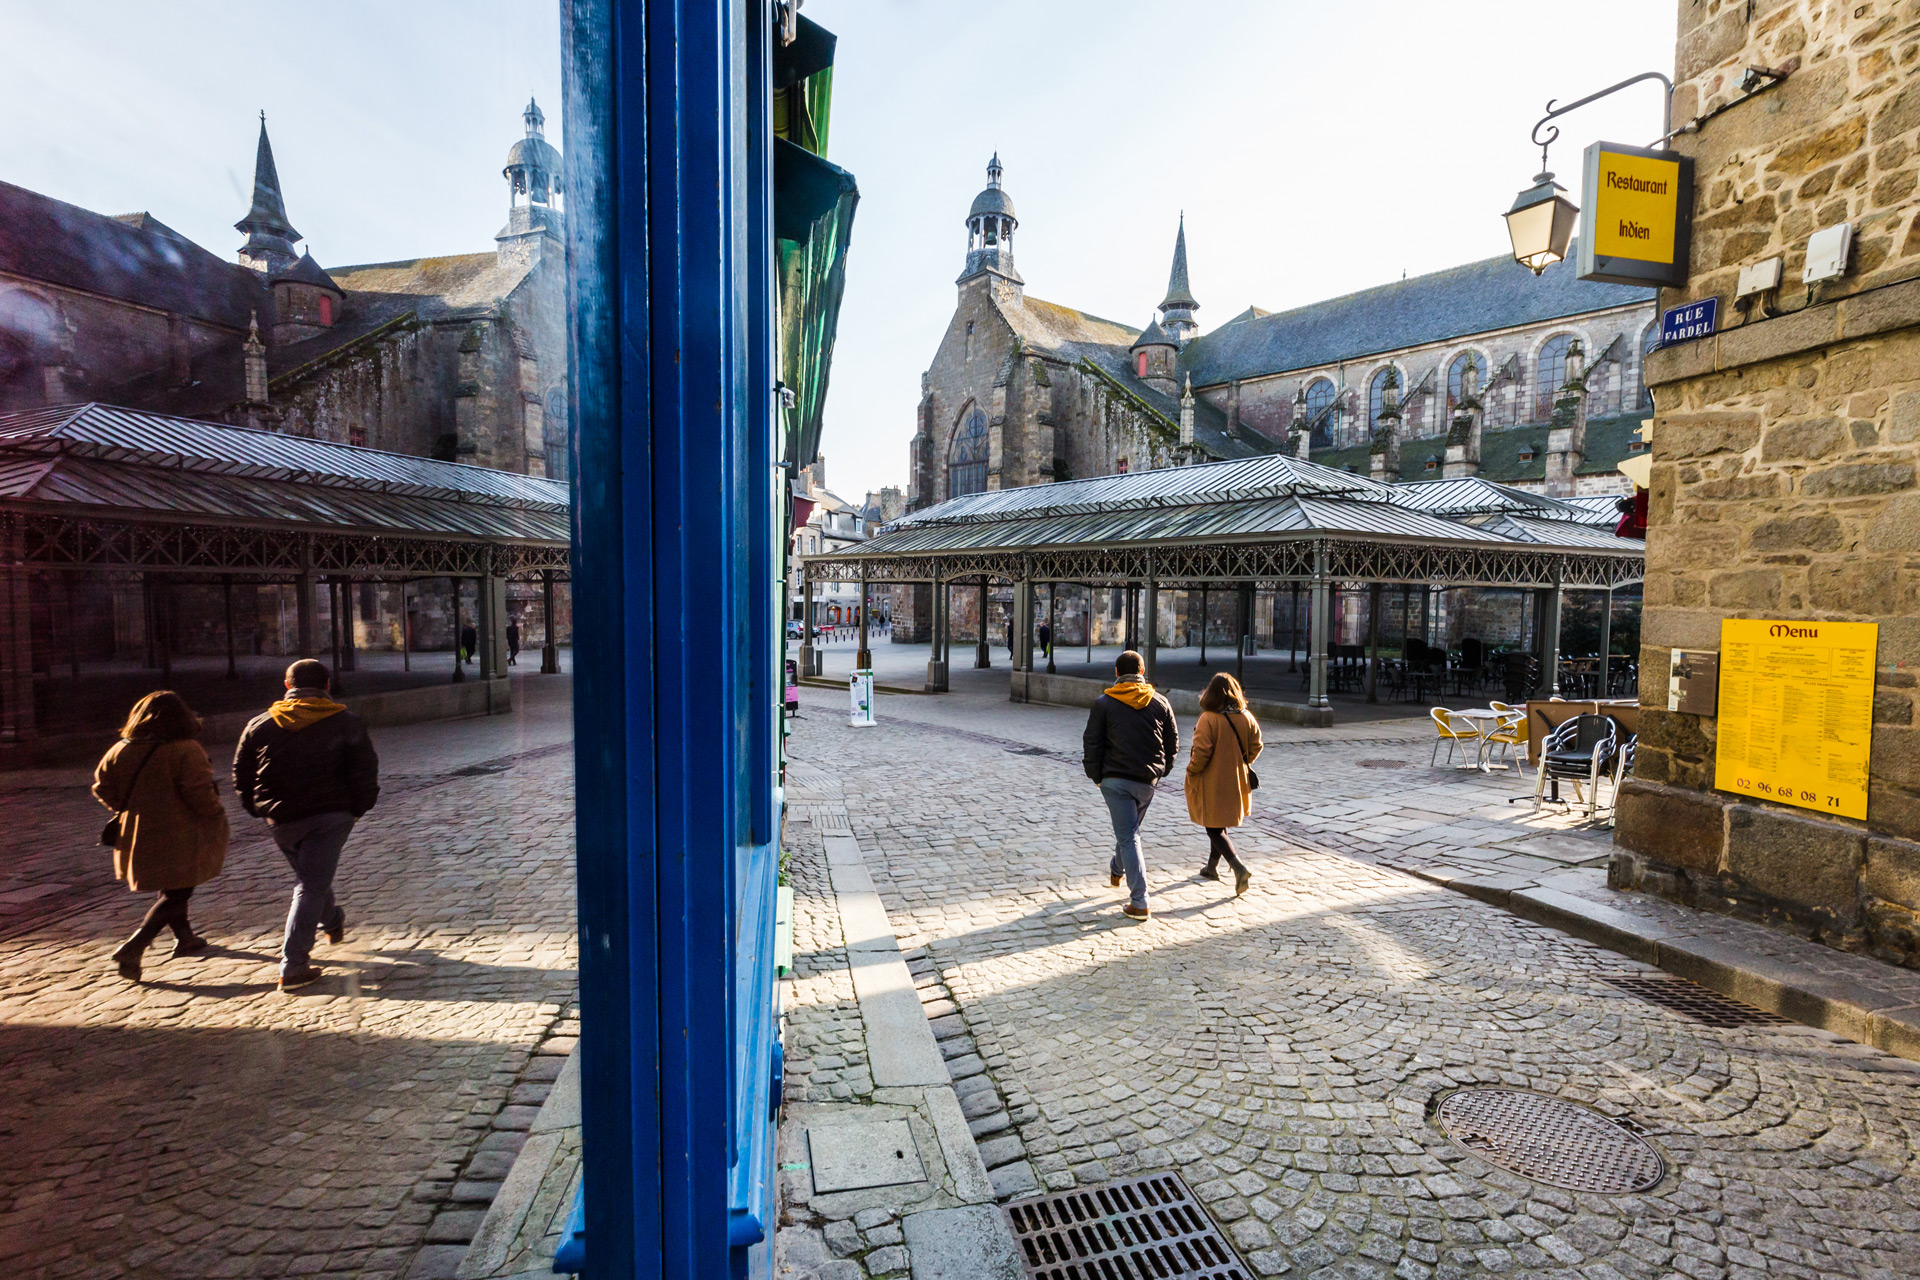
point(1269, 497)
point(126, 464)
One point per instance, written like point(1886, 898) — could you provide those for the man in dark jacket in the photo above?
point(1129, 745)
point(309, 769)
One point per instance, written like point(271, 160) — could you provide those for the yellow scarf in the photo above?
point(1135, 693)
point(298, 713)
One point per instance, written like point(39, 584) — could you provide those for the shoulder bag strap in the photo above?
point(1237, 739)
point(137, 770)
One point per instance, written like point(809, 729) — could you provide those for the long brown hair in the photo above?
point(161, 716)
point(1223, 692)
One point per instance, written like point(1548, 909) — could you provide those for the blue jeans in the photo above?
point(1127, 803)
point(312, 846)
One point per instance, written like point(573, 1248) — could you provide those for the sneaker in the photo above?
point(1132, 912)
point(1113, 882)
point(337, 927)
point(191, 945)
point(299, 978)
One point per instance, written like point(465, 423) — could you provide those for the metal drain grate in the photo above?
point(1691, 1000)
point(1551, 1140)
point(1136, 1229)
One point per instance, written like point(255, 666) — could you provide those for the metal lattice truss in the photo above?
point(265, 555)
point(1176, 565)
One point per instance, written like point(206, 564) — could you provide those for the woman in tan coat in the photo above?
point(173, 828)
point(1225, 742)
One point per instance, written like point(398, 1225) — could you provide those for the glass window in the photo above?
point(1649, 343)
point(1456, 376)
point(967, 463)
point(1377, 397)
point(1550, 373)
point(1321, 414)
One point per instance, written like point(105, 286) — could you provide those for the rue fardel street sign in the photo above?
point(1694, 320)
point(1636, 216)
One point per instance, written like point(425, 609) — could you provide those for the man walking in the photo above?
point(309, 769)
point(513, 641)
point(1130, 743)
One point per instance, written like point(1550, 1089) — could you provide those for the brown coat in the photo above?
point(174, 834)
point(1217, 793)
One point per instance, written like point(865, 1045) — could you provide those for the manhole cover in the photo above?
point(1691, 1000)
point(1138, 1227)
point(1551, 1140)
point(1381, 764)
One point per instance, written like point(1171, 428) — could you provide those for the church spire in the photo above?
point(270, 238)
point(1177, 308)
point(990, 227)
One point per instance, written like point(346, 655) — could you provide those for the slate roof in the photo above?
point(307, 271)
point(1074, 336)
point(134, 257)
point(1480, 296)
point(1179, 292)
point(1153, 336)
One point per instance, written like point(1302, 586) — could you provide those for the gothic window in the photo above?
point(1550, 372)
point(1649, 343)
point(1319, 402)
point(967, 463)
point(1457, 373)
point(1376, 398)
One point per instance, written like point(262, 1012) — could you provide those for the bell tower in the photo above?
point(990, 226)
point(534, 199)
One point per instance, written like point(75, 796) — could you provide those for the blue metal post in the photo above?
point(668, 187)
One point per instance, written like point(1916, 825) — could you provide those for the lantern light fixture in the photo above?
point(1541, 223)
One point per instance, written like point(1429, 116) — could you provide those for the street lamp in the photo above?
point(1540, 224)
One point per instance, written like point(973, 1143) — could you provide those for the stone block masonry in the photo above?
point(1786, 459)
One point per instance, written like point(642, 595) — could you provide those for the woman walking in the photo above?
point(172, 834)
point(1219, 792)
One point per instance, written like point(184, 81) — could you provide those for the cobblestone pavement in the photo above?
point(1282, 1050)
point(205, 1125)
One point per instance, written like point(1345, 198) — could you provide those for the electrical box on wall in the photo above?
point(1827, 252)
point(1758, 277)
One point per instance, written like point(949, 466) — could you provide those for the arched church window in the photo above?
point(1550, 372)
point(1457, 374)
point(1649, 343)
point(967, 463)
point(1377, 397)
point(1321, 413)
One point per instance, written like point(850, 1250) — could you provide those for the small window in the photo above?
point(1636, 446)
point(1433, 464)
point(1120, 467)
point(357, 437)
point(326, 309)
point(1526, 455)
point(1141, 365)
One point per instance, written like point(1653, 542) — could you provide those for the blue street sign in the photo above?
point(1695, 320)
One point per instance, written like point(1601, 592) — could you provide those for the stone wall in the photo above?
point(1785, 451)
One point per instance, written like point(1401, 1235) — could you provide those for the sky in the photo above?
point(1315, 148)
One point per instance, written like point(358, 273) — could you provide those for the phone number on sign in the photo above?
point(1786, 791)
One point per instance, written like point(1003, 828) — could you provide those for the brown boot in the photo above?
point(127, 958)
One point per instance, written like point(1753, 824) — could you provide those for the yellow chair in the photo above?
point(1453, 728)
point(1510, 731)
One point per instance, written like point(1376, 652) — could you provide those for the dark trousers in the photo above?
point(1218, 847)
point(169, 911)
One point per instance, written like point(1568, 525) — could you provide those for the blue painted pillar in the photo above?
point(668, 188)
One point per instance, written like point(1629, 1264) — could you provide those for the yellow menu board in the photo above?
point(1796, 712)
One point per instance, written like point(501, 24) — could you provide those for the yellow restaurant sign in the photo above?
point(1796, 712)
point(1635, 215)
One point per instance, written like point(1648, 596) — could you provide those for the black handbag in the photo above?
point(110, 833)
point(1253, 779)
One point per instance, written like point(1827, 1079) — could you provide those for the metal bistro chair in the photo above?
point(1622, 770)
point(1582, 749)
point(1453, 728)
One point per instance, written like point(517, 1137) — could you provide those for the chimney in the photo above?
point(1567, 436)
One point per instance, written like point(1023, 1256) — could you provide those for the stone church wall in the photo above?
point(71, 347)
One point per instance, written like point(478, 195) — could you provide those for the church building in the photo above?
point(460, 357)
point(1460, 372)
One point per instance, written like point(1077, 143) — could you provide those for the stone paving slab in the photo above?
point(1282, 1050)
